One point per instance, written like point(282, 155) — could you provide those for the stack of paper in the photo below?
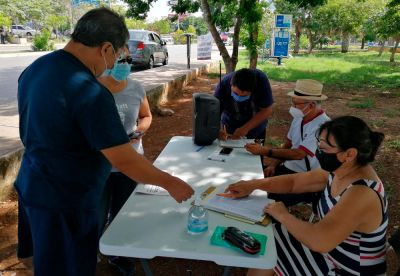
point(150, 190)
point(240, 143)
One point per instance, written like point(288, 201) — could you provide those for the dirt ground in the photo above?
point(383, 116)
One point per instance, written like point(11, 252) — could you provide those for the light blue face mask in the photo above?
point(238, 98)
point(120, 71)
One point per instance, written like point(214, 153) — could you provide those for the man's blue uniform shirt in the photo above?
point(66, 118)
point(235, 115)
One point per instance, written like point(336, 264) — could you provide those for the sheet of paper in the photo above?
point(150, 190)
point(240, 143)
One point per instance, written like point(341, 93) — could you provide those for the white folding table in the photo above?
point(151, 226)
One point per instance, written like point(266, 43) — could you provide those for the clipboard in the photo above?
point(209, 191)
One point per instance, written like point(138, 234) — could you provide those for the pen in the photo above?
point(226, 195)
point(200, 148)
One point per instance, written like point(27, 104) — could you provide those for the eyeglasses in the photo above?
point(127, 60)
point(326, 143)
point(296, 104)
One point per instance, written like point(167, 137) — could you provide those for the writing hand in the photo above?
point(223, 134)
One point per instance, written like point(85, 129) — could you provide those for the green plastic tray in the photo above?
point(216, 239)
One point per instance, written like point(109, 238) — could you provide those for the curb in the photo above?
point(157, 94)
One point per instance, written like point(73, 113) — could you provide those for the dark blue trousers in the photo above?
point(62, 242)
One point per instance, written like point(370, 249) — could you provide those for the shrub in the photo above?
point(42, 42)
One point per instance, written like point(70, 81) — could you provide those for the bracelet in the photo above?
point(269, 153)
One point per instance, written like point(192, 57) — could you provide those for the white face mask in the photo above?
point(295, 112)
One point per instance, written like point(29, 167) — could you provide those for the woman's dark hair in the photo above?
point(352, 132)
point(101, 25)
point(244, 79)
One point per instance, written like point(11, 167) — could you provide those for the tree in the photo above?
point(197, 22)
point(5, 21)
point(389, 25)
point(56, 22)
point(160, 26)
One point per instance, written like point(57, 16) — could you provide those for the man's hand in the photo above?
point(178, 189)
point(277, 210)
point(256, 149)
point(239, 133)
point(239, 189)
point(223, 135)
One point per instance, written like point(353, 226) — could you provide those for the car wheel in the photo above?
point(165, 60)
point(150, 64)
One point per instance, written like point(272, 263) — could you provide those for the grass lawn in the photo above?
point(352, 70)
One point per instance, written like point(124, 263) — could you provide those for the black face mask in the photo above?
point(328, 161)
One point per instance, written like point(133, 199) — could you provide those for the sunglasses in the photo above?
point(127, 60)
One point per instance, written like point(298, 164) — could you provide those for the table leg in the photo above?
point(146, 267)
point(227, 271)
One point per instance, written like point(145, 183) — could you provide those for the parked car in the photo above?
point(23, 31)
point(147, 48)
point(167, 38)
point(224, 37)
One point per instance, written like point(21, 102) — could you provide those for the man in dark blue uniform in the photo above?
point(246, 104)
point(72, 134)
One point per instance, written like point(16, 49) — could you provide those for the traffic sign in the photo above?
point(283, 21)
point(88, 2)
point(280, 43)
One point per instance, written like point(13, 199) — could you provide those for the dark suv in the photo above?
point(147, 48)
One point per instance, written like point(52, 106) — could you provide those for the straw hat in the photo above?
point(309, 90)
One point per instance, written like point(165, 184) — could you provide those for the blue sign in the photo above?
point(281, 43)
point(283, 21)
point(87, 2)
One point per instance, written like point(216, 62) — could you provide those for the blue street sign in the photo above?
point(88, 2)
point(281, 43)
point(283, 21)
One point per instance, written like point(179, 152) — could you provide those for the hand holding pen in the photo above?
point(223, 134)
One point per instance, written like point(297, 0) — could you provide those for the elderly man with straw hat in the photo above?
point(298, 152)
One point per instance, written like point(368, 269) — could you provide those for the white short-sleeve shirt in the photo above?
point(308, 143)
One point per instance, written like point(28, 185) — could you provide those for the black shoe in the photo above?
point(124, 265)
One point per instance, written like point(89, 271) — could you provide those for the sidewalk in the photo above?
point(22, 48)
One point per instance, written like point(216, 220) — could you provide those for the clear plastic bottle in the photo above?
point(197, 219)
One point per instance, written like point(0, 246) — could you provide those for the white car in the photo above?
point(168, 38)
point(23, 31)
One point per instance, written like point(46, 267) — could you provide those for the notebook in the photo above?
point(240, 143)
point(248, 209)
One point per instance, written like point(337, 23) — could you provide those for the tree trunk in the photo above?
point(363, 43)
point(345, 42)
point(310, 42)
point(394, 49)
point(382, 48)
point(253, 34)
point(297, 27)
point(230, 62)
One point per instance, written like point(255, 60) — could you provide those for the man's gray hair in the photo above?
point(101, 25)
